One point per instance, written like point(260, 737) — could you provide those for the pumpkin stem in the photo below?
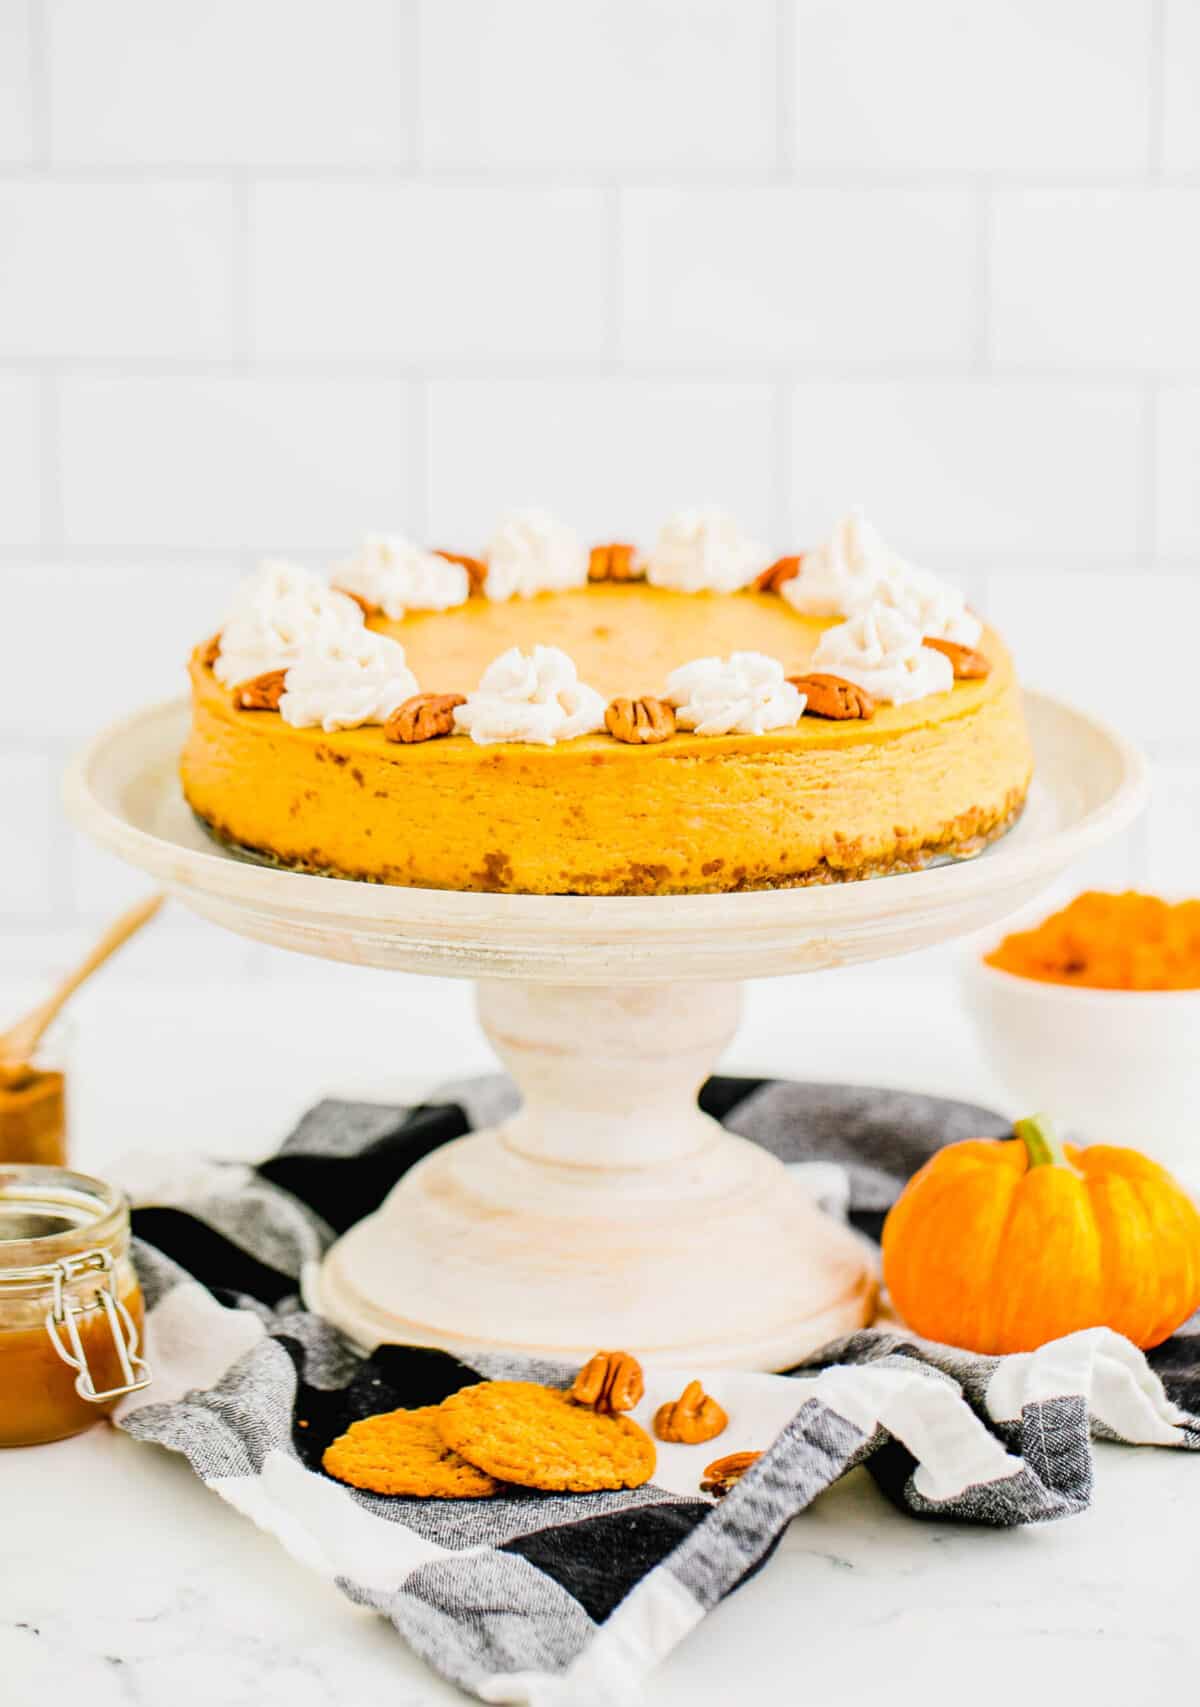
point(1042, 1144)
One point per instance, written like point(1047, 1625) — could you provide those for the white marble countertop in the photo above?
point(122, 1581)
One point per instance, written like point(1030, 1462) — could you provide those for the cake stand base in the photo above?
point(610, 1211)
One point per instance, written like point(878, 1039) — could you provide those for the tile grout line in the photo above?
point(614, 305)
point(699, 370)
point(971, 559)
point(1156, 91)
point(682, 177)
point(1147, 521)
point(53, 516)
point(420, 458)
point(241, 282)
point(785, 89)
point(782, 496)
point(41, 115)
point(984, 241)
point(419, 147)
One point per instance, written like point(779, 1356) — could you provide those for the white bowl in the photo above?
point(1110, 1066)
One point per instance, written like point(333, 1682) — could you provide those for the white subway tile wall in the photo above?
point(277, 272)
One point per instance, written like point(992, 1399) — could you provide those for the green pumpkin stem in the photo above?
point(1041, 1141)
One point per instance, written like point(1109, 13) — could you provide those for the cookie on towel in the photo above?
point(539, 1437)
point(402, 1452)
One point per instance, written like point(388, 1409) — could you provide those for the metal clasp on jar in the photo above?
point(62, 1318)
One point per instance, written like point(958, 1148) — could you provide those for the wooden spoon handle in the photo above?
point(19, 1043)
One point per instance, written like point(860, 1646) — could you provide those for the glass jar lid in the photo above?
point(61, 1236)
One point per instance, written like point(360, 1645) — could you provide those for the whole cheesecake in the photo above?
point(430, 792)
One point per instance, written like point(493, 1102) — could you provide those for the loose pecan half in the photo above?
point(614, 563)
point(833, 696)
point(969, 665)
point(771, 579)
point(211, 651)
point(640, 720)
point(260, 693)
point(694, 1416)
point(423, 717)
point(609, 1381)
point(722, 1473)
point(475, 567)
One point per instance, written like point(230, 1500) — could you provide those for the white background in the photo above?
point(277, 272)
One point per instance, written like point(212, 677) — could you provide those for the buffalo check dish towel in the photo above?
point(554, 1599)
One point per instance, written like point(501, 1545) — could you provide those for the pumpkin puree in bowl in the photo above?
point(1109, 942)
point(817, 802)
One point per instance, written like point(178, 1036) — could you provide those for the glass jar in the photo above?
point(33, 1111)
point(70, 1304)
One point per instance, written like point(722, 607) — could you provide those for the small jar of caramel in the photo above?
point(70, 1304)
point(33, 1104)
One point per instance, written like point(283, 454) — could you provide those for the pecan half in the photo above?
point(722, 1473)
point(260, 693)
point(640, 720)
point(969, 665)
point(211, 651)
point(772, 578)
point(833, 696)
point(614, 563)
point(423, 717)
point(694, 1416)
point(475, 567)
point(609, 1381)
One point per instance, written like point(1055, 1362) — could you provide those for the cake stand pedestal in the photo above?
point(609, 1210)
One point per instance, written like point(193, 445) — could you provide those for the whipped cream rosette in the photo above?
point(394, 575)
point(345, 680)
point(880, 650)
point(276, 613)
point(841, 574)
point(856, 567)
point(535, 696)
point(744, 694)
point(933, 606)
point(704, 551)
point(532, 553)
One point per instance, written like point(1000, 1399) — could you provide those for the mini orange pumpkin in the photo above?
point(1001, 1245)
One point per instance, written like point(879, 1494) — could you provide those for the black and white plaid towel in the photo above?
point(554, 1599)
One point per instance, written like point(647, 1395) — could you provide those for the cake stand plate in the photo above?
point(609, 1210)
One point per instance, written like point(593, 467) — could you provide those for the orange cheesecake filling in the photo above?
point(814, 802)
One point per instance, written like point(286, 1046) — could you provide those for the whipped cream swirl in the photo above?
point(394, 575)
point(704, 551)
point(744, 694)
point(277, 612)
point(532, 553)
point(344, 680)
point(934, 607)
point(841, 574)
point(881, 651)
point(856, 567)
point(534, 697)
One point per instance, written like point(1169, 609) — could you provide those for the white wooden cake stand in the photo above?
point(609, 1211)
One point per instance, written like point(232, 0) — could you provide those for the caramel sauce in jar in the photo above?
point(33, 1120)
point(70, 1305)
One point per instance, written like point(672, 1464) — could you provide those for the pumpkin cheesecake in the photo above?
point(554, 719)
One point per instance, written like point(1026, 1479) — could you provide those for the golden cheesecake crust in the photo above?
point(818, 802)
